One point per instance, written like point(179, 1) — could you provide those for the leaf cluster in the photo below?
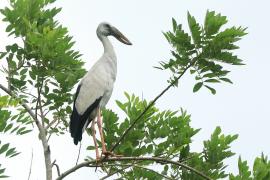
point(166, 134)
point(13, 119)
point(261, 169)
point(206, 50)
point(8, 152)
point(42, 60)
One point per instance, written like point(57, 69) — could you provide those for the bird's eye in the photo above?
point(108, 26)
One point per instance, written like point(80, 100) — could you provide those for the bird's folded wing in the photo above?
point(91, 89)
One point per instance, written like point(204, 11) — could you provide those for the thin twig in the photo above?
point(39, 89)
point(29, 94)
point(30, 168)
point(51, 123)
point(50, 134)
point(9, 75)
point(36, 109)
point(114, 159)
point(57, 167)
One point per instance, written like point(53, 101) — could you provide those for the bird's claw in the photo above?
point(109, 153)
point(98, 159)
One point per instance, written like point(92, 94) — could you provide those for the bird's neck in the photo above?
point(108, 47)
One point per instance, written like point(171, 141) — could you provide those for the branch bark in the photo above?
point(115, 159)
point(57, 167)
point(42, 133)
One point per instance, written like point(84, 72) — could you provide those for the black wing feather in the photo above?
point(78, 121)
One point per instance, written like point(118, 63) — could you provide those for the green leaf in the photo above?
point(227, 57)
point(195, 29)
point(197, 86)
point(174, 24)
point(3, 54)
point(213, 22)
point(3, 176)
point(10, 152)
point(213, 91)
point(226, 80)
point(9, 28)
point(212, 81)
point(23, 71)
point(229, 36)
point(90, 148)
point(4, 148)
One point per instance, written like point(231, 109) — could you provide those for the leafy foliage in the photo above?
point(261, 169)
point(15, 121)
point(163, 134)
point(2, 171)
point(205, 51)
point(43, 58)
point(42, 68)
point(8, 152)
point(244, 173)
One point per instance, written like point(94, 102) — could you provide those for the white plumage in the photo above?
point(95, 88)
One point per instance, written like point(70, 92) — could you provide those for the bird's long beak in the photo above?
point(118, 35)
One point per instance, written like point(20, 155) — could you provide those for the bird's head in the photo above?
point(105, 29)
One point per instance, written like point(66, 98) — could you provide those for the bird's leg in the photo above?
point(95, 139)
point(99, 123)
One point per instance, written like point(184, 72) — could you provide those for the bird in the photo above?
point(95, 89)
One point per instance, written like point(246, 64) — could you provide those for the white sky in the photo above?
point(241, 108)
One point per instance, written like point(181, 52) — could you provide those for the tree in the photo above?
point(42, 58)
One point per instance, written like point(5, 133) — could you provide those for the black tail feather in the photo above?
point(78, 121)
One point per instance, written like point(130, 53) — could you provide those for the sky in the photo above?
point(241, 108)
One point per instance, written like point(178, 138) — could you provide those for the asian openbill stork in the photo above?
point(95, 88)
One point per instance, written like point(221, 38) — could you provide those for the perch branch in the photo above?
point(115, 159)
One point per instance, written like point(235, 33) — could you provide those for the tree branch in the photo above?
point(114, 159)
point(57, 167)
point(51, 123)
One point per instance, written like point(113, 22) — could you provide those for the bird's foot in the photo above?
point(109, 153)
point(98, 158)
